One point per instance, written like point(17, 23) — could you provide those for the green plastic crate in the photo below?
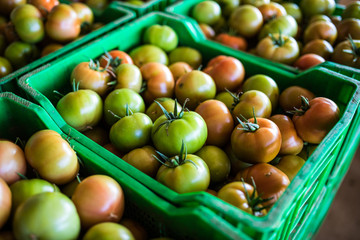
point(183, 8)
point(21, 118)
point(306, 186)
point(147, 7)
point(113, 17)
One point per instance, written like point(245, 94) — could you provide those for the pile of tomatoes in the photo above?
point(301, 35)
point(45, 194)
point(197, 130)
point(32, 29)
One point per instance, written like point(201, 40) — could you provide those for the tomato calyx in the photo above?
point(177, 160)
point(112, 62)
point(255, 202)
point(279, 41)
point(236, 98)
point(355, 51)
point(171, 116)
point(304, 107)
point(248, 126)
point(128, 112)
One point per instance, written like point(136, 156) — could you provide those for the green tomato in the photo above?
point(246, 20)
point(314, 7)
point(190, 176)
point(286, 25)
point(264, 84)
point(128, 76)
point(290, 165)
point(352, 10)
point(163, 37)
point(154, 111)
point(189, 127)
point(253, 101)
point(24, 189)
point(30, 30)
point(82, 109)
point(148, 53)
point(227, 6)
point(130, 132)
point(226, 98)
point(108, 231)
point(5, 67)
point(256, 3)
point(20, 54)
point(116, 102)
point(293, 10)
point(186, 54)
point(217, 161)
point(208, 12)
point(48, 215)
point(23, 12)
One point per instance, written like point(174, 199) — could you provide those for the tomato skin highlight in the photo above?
point(5, 202)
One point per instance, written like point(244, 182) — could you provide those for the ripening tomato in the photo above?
point(52, 47)
point(227, 72)
point(271, 11)
point(52, 157)
point(270, 181)
point(98, 198)
point(108, 231)
point(315, 119)
point(290, 97)
point(291, 143)
point(347, 53)
point(45, 6)
point(114, 58)
point(235, 42)
point(219, 121)
point(5, 202)
point(321, 30)
point(179, 68)
point(12, 161)
point(320, 47)
point(308, 60)
point(257, 140)
point(207, 30)
point(246, 20)
point(84, 13)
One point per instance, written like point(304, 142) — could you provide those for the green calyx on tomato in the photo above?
point(236, 98)
point(248, 126)
point(111, 61)
point(355, 51)
point(177, 160)
point(255, 202)
point(304, 107)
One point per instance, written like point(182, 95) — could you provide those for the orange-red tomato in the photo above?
point(291, 143)
point(219, 121)
point(235, 42)
point(227, 72)
point(45, 6)
point(179, 68)
point(207, 30)
point(290, 97)
point(308, 60)
point(98, 198)
point(271, 10)
point(116, 57)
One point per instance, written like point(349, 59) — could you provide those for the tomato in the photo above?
point(163, 37)
point(290, 97)
point(227, 72)
point(137, 230)
point(69, 188)
point(197, 86)
point(8, 5)
point(186, 54)
point(285, 25)
point(89, 75)
point(97, 5)
point(154, 111)
point(159, 81)
point(108, 231)
point(290, 165)
point(320, 47)
point(207, 12)
point(271, 11)
point(63, 24)
point(144, 160)
point(246, 20)
point(50, 48)
point(320, 30)
point(20, 54)
point(52, 157)
point(325, 7)
point(98, 198)
point(45, 6)
point(236, 164)
point(270, 181)
point(98, 135)
point(307, 61)
point(293, 10)
point(256, 3)
point(25, 11)
point(48, 215)
point(171, 129)
point(315, 119)
point(82, 109)
point(291, 143)
point(278, 48)
point(226, 98)
point(242, 195)
point(217, 162)
point(264, 84)
point(84, 13)
point(252, 102)
point(256, 140)
point(219, 121)
point(5, 67)
point(128, 76)
point(352, 10)
point(116, 102)
point(116, 58)
point(184, 173)
point(307, 150)
point(179, 68)
point(12, 161)
point(5, 202)
point(26, 188)
point(131, 131)
point(348, 27)
point(347, 52)
point(208, 31)
point(30, 30)
point(235, 42)
point(148, 53)
point(227, 6)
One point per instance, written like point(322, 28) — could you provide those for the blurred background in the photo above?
point(343, 219)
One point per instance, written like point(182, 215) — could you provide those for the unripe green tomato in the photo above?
point(286, 25)
point(162, 36)
point(130, 132)
point(226, 98)
point(30, 30)
point(81, 109)
point(208, 12)
point(352, 10)
point(186, 54)
point(256, 3)
point(24, 11)
point(148, 53)
point(293, 10)
point(313, 7)
point(108, 231)
point(154, 111)
point(20, 54)
point(5, 67)
point(246, 20)
point(128, 76)
point(290, 165)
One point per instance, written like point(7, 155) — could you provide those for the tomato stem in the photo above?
point(236, 98)
point(304, 107)
point(247, 125)
point(355, 51)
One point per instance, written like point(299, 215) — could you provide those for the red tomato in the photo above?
point(116, 57)
point(236, 42)
point(308, 60)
